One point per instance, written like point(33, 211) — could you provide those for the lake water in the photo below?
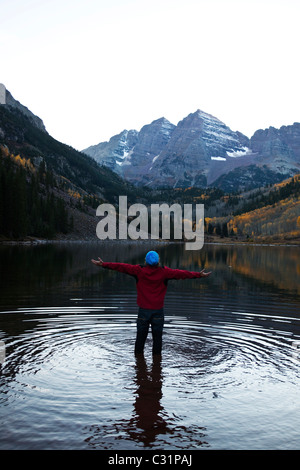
point(229, 373)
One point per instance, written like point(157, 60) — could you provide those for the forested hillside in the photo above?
point(28, 206)
point(49, 190)
point(266, 214)
point(23, 138)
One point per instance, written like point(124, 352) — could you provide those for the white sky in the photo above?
point(91, 68)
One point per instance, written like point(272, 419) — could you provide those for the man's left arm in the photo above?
point(184, 274)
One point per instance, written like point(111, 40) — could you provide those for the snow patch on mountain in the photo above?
point(239, 153)
point(167, 128)
point(197, 151)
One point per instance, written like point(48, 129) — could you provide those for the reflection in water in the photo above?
point(52, 274)
point(150, 426)
point(229, 373)
point(148, 412)
point(148, 419)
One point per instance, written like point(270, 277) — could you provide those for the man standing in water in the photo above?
point(151, 284)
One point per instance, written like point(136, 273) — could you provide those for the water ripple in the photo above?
point(78, 362)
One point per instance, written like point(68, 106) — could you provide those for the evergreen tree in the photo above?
point(27, 207)
point(224, 230)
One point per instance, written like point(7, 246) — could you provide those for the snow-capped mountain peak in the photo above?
point(196, 152)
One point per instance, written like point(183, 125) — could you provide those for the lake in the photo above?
point(229, 373)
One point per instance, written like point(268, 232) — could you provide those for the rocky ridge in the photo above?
point(201, 151)
point(10, 102)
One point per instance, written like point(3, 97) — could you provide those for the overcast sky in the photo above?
point(92, 68)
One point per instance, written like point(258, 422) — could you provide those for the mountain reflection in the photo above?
point(37, 275)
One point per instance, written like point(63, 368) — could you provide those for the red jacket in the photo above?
point(151, 281)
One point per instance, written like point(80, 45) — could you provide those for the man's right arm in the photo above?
point(125, 268)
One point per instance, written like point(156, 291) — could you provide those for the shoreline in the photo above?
point(226, 241)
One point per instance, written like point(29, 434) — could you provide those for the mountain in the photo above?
point(130, 153)
point(44, 184)
point(115, 151)
point(50, 190)
point(201, 151)
point(198, 143)
point(10, 102)
point(24, 135)
point(278, 148)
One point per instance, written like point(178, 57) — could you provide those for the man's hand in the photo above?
point(204, 274)
point(97, 263)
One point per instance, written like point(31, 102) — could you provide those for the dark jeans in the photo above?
point(147, 317)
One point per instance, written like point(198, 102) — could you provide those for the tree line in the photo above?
point(28, 206)
point(267, 197)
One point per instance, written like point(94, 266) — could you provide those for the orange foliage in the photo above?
point(74, 194)
point(20, 161)
point(280, 219)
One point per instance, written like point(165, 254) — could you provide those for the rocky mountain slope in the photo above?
point(48, 189)
point(201, 151)
point(24, 134)
point(43, 180)
point(10, 102)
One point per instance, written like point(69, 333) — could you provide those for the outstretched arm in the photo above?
point(131, 269)
point(204, 274)
point(97, 263)
point(183, 274)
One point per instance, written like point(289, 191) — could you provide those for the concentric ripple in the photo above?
point(72, 380)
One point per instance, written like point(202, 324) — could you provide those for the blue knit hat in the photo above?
point(152, 258)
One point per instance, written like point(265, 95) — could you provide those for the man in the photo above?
point(151, 283)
